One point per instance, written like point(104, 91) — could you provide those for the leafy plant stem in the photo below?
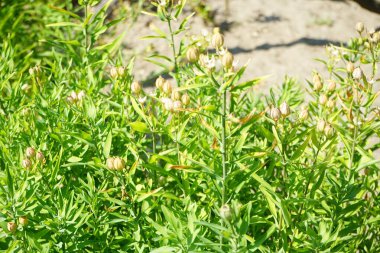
point(224, 148)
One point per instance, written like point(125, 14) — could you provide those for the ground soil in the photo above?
point(279, 37)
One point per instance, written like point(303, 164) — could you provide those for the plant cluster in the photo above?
point(90, 161)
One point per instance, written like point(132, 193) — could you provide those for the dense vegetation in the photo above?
point(92, 162)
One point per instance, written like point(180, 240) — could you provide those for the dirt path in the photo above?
point(278, 36)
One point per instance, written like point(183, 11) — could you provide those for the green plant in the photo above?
point(91, 162)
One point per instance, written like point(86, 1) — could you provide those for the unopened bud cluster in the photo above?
point(172, 100)
point(325, 128)
point(31, 156)
point(115, 163)
point(117, 72)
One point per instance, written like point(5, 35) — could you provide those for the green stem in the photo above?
point(224, 148)
point(172, 44)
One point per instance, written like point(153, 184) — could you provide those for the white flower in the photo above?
point(81, 95)
point(357, 74)
point(142, 100)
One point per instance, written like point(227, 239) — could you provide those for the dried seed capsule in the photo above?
point(113, 73)
point(136, 88)
point(192, 54)
point(120, 71)
point(225, 212)
point(275, 113)
point(376, 37)
point(30, 152)
point(321, 125)
point(110, 161)
point(331, 86)
point(167, 87)
point(217, 40)
point(359, 27)
point(304, 114)
point(357, 73)
point(26, 163)
point(118, 163)
point(185, 99)
point(23, 220)
point(11, 226)
point(284, 109)
point(350, 67)
point(176, 95)
point(227, 60)
point(317, 82)
point(160, 82)
point(329, 131)
point(323, 99)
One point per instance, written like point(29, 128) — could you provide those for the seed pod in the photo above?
point(185, 99)
point(330, 104)
point(304, 114)
point(225, 212)
point(177, 105)
point(329, 131)
point(118, 163)
point(275, 113)
point(317, 82)
point(350, 67)
point(120, 71)
point(26, 163)
point(136, 88)
point(176, 95)
point(321, 125)
point(167, 87)
point(376, 37)
point(11, 226)
point(284, 109)
point(217, 40)
point(357, 73)
point(30, 152)
point(227, 60)
point(359, 27)
point(110, 161)
point(323, 99)
point(23, 220)
point(160, 82)
point(331, 86)
point(113, 73)
point(40, 156)
point(192, 54)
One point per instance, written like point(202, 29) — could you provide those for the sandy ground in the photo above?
point(279, 37)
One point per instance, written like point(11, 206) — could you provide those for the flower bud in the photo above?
point(330, 104)
point(304, 114)
point(357, 73)
point(275, 113)
point(26, 163)
point(12, 227)
point(113, 72)
point(23, 220)
point(225, 212)
point(160, 82)
point(30, 152)
point(118, 163)
point(359, 27)
point(331, 86)
point(136, 88)
point(227, 60)
point(323, 99)
point(350, 67)
point(317, 82)
point(329, 131)
point(167, 87)
point(176, 95)
point(192, 54)
point(284, 109)
point(321, 125)
point(217, 40)
point(185, 99)
point(40, 156)
point(177, 105)
point(110, 161)
point(376, 37)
